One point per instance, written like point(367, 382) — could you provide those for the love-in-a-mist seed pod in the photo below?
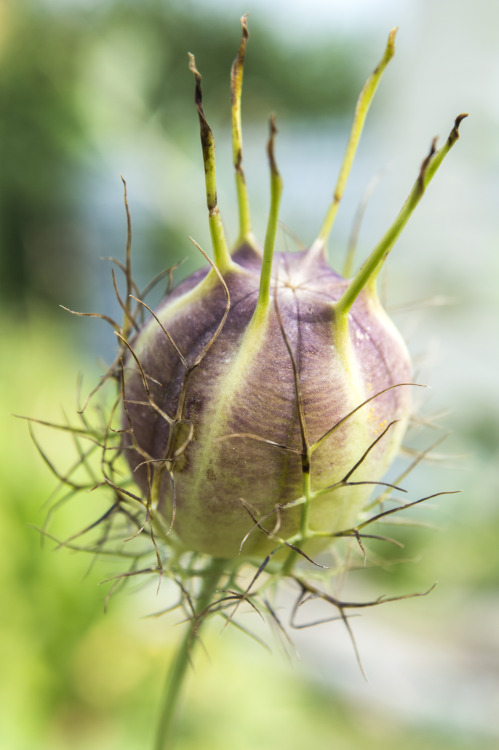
point(267, 394)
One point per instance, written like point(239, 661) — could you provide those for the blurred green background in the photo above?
point(91, 90)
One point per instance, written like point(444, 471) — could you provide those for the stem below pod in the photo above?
point(182, 659)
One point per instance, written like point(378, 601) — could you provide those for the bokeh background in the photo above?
point(91, 89)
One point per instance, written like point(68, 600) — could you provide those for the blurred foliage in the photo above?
point(75, 677)
point(72, 75)
point(62, 64)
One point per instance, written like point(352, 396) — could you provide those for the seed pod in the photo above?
point(239, 437)
point(268, 394)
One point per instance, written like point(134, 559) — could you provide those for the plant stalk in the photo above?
point(165, 737)
point(361, 110)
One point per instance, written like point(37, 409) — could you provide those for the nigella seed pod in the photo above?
point(240, 437)
point(267, 395)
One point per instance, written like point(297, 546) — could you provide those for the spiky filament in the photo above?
point(236, 85)
point(128, 318)
point(220, 252)
point(361, 110)
point(273, 220)
point(366, 276)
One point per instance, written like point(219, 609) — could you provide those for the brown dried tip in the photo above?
point(270, 145)
point(454, 134)
point(237, 66)
point(453, 137)
point(207, 140)
point(427, 160)
point(198, 95)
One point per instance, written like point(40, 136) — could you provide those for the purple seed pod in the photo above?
point(267, 394)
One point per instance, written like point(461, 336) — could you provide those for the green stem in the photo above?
point(368, 272)
point(361, 110)
point(182, 659)
point(236, 85)
point(221, 253)
point(272, 224)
